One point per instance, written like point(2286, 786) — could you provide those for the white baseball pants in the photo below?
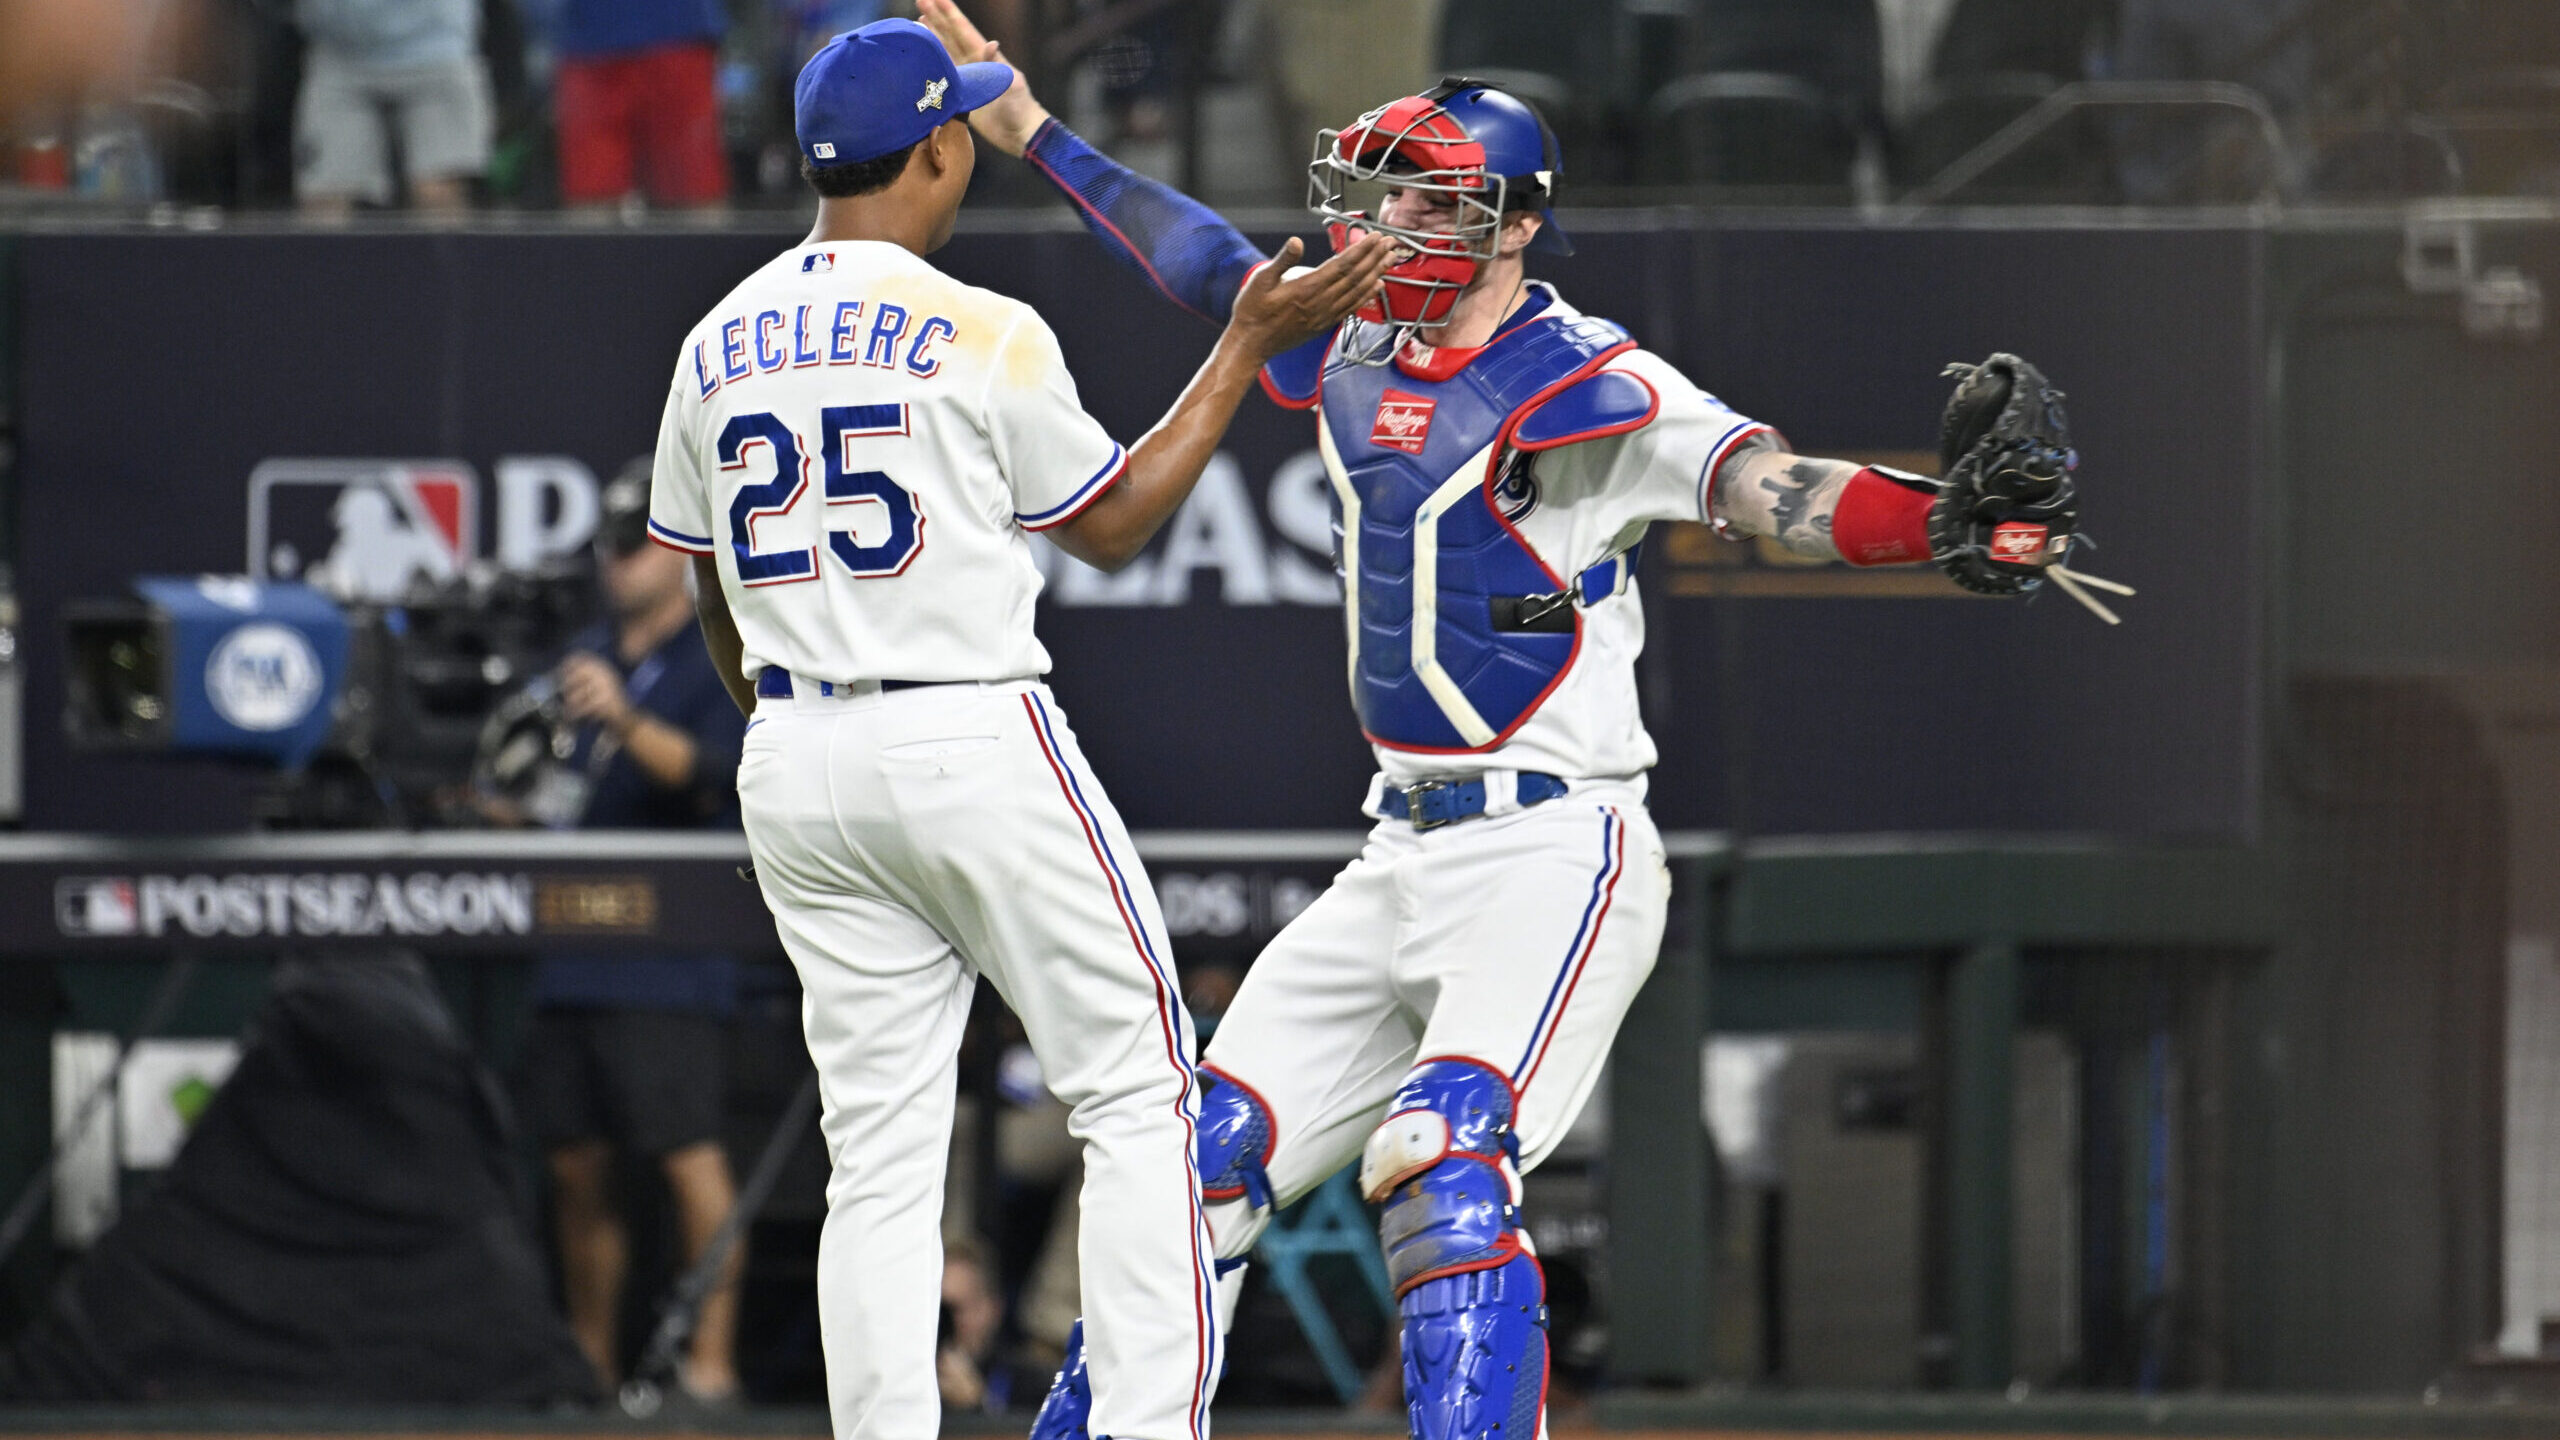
point(906, 843)
point(1517, 941)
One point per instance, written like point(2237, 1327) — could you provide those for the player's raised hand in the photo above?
point(1010, 120)
point(1282, 305)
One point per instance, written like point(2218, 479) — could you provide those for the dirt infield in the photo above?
point(1224, 1433)
point(1691, 1417)
point(1228, 1432)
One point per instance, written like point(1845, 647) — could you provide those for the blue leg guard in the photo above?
point(1070, 1399)
point(1475, 1353)
point(1234, 1142)
point(1474, 1301)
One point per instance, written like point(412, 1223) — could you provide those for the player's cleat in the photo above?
point(1069, 1403)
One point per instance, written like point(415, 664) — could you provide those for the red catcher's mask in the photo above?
point(1412, 144)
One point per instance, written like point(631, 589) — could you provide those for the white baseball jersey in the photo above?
point(864, 441)
point(1591, 498)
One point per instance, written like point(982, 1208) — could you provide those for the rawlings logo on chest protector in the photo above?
point(1404, 422)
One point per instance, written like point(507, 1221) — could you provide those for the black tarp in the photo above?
point(342, 1225)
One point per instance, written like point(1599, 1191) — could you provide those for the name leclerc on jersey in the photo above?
point(770, 340)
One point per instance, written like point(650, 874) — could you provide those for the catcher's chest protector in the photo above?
point(1426, 547)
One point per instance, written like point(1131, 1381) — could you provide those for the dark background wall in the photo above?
point(2416, 634)
point(173, 365)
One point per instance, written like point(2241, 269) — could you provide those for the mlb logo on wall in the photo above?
point(95, 905)
point(363, 529)
point(1404, 422)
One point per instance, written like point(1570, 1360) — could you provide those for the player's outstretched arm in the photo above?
point(2001, 521)
point(720, 632)
point(1274, 312)
point(1802, 502)
point(1189, 253)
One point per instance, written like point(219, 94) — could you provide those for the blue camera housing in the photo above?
point(254, 667)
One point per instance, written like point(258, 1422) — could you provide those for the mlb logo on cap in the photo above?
point(877, 90)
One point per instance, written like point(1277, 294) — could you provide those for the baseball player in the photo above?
point(855, 450)
point(1441, 1012)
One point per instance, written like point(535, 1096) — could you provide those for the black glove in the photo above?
point(2006, 503)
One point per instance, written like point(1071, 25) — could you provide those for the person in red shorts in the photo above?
point(637, 103)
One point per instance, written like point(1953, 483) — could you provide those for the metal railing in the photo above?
point(2283, 173)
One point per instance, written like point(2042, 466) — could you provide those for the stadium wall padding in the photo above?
point(173, 364)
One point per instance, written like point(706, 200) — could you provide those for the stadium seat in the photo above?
point(2506, 121)
point(1752, 129)
point(1994, 61)
point(1562, 58)
point(2385, 162)
point(1957, 113)
point(1775, 98)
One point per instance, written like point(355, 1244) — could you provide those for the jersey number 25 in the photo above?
point(840, 427)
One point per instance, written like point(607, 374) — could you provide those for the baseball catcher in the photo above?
point(1494, 456)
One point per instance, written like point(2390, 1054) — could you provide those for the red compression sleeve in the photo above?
point(1881, 521)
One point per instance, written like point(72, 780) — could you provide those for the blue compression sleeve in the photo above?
point(1183, 247)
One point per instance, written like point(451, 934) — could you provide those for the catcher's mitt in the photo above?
point(2006, 503)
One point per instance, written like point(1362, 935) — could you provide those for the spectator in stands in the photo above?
point(635, 96)
point(2182, 157)
point(805, 26)
point(625, 1052)
point(1907, 34)
point(380, 72)
point(1333, 59)
point(768, 43)
point(972, 1314)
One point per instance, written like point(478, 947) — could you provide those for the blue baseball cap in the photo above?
point(877, 90)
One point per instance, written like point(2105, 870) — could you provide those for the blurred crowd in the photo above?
point(634, 106)
point(335, 106)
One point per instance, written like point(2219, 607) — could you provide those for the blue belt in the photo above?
point(774, 683)
point(1430, 804)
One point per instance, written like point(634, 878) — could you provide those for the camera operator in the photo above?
point(625, 1054)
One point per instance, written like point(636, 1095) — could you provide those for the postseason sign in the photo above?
point(438, 893)
point(281, 906)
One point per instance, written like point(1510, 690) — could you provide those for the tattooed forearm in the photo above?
point(1788, 498)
